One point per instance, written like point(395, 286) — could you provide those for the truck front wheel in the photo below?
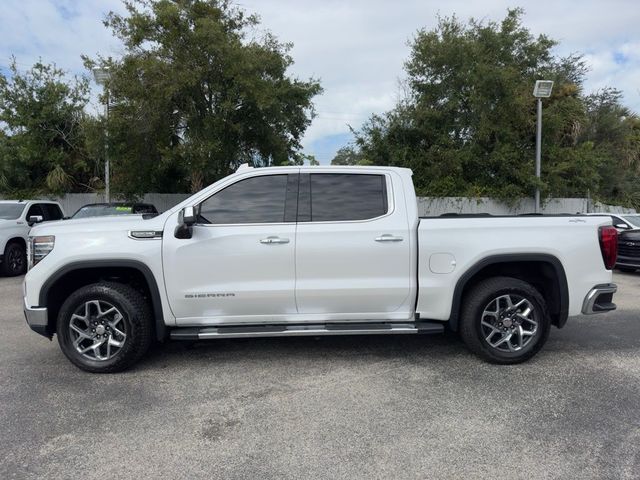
point(14, 260)
point(104, 327)
point(504, 320)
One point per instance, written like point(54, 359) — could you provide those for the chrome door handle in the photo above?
point(270, 240)
point(388, 238)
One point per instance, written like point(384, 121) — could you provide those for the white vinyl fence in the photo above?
point(73, 201)
point(434, 206)
point(427, 206)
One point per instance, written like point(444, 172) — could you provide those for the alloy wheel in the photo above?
point(509, 323)
point(98, 330)
point(15, 260)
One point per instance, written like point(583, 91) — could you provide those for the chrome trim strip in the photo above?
point(36, 316)
point(144, 234)
point(592, 296)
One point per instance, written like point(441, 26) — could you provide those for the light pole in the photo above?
point(541, 90)
point(101, 76)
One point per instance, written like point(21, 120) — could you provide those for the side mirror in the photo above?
point(186, 220)
point(622, 226)
point(189, 216)
point(33, 219)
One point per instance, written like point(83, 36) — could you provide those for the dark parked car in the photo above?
point(117, 208)
point(628, 251)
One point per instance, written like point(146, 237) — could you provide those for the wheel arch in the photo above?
point(534, 268)
point(77, 274)
point(21, 241)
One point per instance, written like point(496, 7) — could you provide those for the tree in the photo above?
point(42, 145)
point(198, 92)
point(466, 125)
point(613, 131)
point(348, 155)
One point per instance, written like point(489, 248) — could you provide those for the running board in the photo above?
point(250, 331)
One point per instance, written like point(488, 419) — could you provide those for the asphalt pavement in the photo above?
point(387, 407)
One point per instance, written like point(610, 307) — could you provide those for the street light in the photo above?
point(541, 90)
point(101, 76)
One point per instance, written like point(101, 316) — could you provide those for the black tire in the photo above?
point(626, 269)
point(477, 301)
point(137, 320)
point(14, 262)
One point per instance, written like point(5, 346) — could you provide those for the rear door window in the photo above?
point(347, 197)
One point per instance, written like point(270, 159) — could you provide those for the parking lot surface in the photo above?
point(336, 407)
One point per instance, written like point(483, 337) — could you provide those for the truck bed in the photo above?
point(452, 246)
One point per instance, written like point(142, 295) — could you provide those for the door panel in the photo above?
point(239, 264)
point(351, 267)
point(229, 271)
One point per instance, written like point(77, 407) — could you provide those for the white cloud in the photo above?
point(356, 48)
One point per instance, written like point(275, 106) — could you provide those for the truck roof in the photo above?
point(29, 201)
point(312, 168)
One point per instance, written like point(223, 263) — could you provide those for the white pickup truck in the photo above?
point(15, 223)
point(287, 251)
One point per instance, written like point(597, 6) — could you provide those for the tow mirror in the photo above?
point(33, 219)
point(186, 219)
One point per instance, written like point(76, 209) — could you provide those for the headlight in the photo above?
point(38, 248)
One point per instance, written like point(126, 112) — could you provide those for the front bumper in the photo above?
point(599, 299)
point(37, 318)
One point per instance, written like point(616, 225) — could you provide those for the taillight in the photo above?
point(609, 245)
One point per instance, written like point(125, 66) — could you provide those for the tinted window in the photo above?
point(254, 200)
point(53, 211)
point(144, 208)
point(338, 196)
point(35, 210)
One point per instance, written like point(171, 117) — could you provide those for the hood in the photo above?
point(7, 223)
point(99, 224)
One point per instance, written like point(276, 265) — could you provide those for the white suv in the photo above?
point(14, 230)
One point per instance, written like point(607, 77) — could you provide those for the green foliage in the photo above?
point(467, 123)
point(303, 159)
point(42, 146)
point(199, 91)
point(349, 156)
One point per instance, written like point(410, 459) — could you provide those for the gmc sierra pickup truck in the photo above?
point(286, 251)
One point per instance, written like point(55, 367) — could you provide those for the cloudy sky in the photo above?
point(355, 47)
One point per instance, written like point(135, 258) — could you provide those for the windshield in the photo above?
point(633, 220)
point(103, 211)
point(11, 211)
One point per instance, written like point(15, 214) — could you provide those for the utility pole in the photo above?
point(541, 90)
point(538, 152)
point(101, 76)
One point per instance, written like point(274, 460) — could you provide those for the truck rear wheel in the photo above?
point(504, 320)
point(104, 327)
